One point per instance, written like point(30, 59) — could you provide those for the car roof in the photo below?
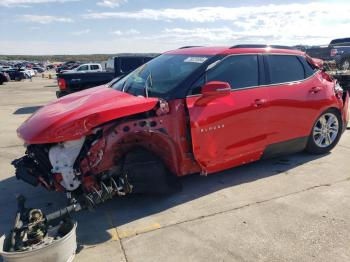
point(240, 49)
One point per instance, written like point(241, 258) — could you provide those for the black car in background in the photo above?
point(4, 77)
point(15, 74)
point(38, 69)
point(67, 66)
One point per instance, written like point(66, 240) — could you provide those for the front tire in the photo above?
point(325, 133)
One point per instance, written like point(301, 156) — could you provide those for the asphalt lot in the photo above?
point(294, 208)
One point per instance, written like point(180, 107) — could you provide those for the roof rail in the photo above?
point(264, 46)
point(190, 46)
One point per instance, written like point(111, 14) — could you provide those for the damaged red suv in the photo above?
point(191, 110)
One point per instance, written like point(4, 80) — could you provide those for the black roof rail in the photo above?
point(190, 46)
point(264, 46)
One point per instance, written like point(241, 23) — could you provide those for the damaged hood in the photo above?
point(75, 115)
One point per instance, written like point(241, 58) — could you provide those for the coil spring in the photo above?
point(108, 191)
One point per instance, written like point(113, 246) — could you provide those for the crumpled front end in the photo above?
point(140, 153)
point(57, 167)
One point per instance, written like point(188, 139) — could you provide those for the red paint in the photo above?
point(294, 107)
point(230, 130)
point(165, 135)
point(206, 133)
point(75, 115)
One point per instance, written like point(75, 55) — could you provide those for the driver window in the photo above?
point(240, 71)
point(83, 68)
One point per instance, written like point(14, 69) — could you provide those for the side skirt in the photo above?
point(284, 148)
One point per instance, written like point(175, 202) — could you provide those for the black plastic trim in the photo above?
point(284, 148)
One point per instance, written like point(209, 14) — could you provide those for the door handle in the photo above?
point(315, 90)
point(259, 102)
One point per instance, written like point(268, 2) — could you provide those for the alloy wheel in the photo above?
point(326, 130)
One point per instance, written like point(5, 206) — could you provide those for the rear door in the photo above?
point(296, 98)
point(230, 130)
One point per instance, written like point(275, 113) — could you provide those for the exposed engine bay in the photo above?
point(56, 167)
point(116, 158)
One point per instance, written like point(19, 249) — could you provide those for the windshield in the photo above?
point(161, 75)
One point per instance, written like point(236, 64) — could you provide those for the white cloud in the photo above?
point(212, 14)
point(24, 3)
point(117, 32)
point(130, 32)
point(309, 23)
point(82, 32)
point(111, 3)
point(45, 19)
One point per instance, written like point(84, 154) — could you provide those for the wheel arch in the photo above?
point(156, 142)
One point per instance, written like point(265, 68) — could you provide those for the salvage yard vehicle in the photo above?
point(67, 66)
point(337, 50)
point(16, 74)
point(191, 110)
point(84, 68)
point(4, 77)
point(116, 66)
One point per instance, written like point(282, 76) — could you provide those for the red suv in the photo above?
point(191, 110)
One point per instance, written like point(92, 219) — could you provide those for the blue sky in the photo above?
point(113, 26)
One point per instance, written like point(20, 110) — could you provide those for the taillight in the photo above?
point(338, 90)
point(334, 52)
point(62, 84)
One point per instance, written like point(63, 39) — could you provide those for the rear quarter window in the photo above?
point(128, 64)
point(94, 67)
point(309, 68)
point(285, 68)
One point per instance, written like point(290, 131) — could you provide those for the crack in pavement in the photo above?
point(11, 146)
point(239, 207)
point(116, 236)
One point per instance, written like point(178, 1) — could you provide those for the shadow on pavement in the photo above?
point(93, 226)
point(26, 110)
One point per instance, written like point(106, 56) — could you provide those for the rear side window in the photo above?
point(239, 71)
point(94, 67)
point(130, 63)
point(285, 68)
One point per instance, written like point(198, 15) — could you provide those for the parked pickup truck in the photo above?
point(115, 67)
point(338, 50)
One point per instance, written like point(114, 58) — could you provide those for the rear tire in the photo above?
point(325, 133)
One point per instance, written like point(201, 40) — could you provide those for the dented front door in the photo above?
point(230, 130)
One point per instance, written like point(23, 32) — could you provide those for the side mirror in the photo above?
point(213, 90)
